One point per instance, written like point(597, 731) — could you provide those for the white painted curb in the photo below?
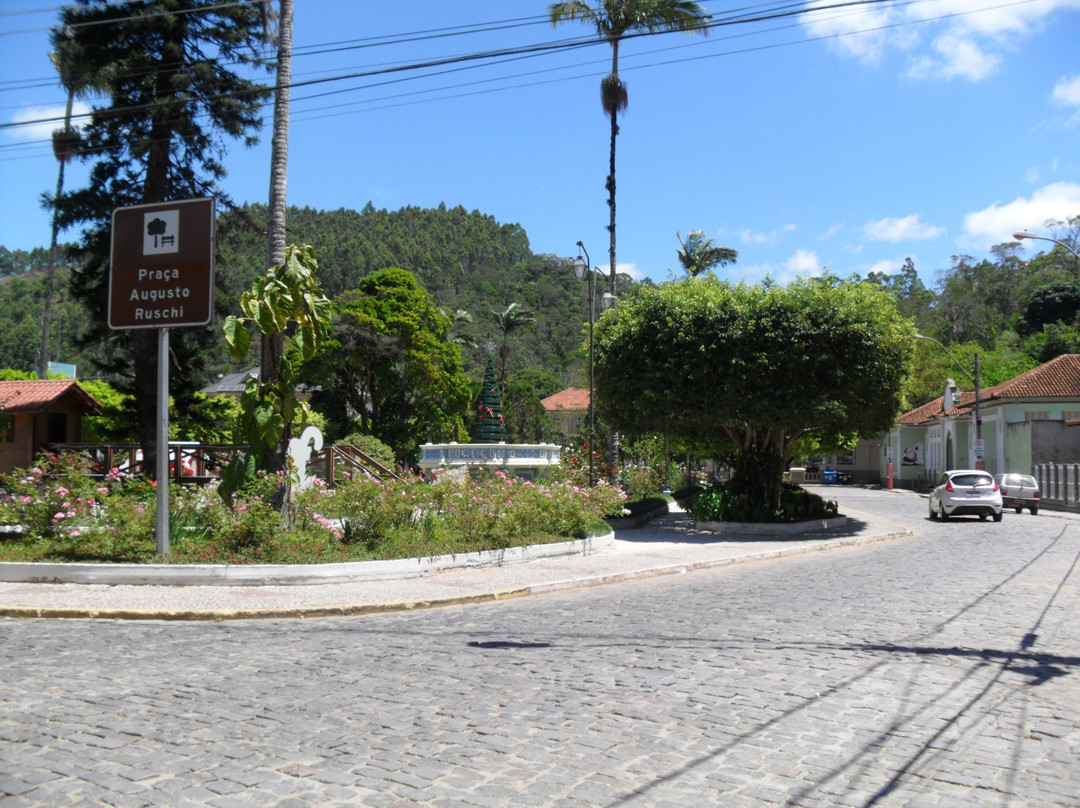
point(288, 574)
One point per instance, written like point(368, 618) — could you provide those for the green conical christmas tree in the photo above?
point(489, 426)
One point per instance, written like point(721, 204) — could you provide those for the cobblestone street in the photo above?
point(937, 670)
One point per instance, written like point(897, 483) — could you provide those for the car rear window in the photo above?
point(972, 479)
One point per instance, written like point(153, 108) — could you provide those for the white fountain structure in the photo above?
point(488, 449)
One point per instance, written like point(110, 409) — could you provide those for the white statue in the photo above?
point(300, 450)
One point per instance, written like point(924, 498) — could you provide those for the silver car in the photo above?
point(1019, 491)
point(966, 492)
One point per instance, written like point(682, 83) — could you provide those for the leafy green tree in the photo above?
point(390, 366)
point(114, 425)
point(174, 98)
point(913, 299)
point(613, 21)
point(1056, 303)
point(286, 300)
point(755, 366)
point(699, 254)
point(526, 419)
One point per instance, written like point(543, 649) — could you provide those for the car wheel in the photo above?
point(1019, 510)
point(997, 517)
point(982, 517)
point(933, 513)
point(1034, 511)
point(941, 512)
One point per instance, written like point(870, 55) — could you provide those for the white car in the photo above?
point(966, 492)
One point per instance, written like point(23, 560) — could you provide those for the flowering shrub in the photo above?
point(68, 515)
point(55, 497)
point(730, 502)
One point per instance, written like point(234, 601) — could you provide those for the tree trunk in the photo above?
point(144, 343)
point(271, 347)
point(611, 196)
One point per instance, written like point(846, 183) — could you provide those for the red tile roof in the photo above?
point(35, 395)
point(572, 399)
point(1058, 378)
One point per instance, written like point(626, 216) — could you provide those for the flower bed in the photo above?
point(67, 515)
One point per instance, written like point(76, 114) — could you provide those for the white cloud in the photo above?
point(886, 265)
point(967, 38)
point(907, 228)
point(832, 231)
point(803, 262)
point(42, 131)
point(996, 223)
point(1067, 91)
point(959, 56)
point(750, 237)
point(630, 269)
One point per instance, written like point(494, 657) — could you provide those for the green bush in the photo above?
point(729, 502)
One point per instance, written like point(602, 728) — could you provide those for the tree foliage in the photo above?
point(287, 299)
point(389, 368)
point(754, 366)
point(174, 95)
point(699, 254)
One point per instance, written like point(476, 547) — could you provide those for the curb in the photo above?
point(291, 574)
point(350, 610)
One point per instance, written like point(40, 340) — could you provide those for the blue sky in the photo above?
point(846, 139)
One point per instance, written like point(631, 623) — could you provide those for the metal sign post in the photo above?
point(161, 525)
point(161, 276)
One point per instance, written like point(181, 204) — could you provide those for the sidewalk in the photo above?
point(668, 545)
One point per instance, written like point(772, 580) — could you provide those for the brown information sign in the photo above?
point(162, 268)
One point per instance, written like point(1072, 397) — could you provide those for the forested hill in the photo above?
point(468, 262)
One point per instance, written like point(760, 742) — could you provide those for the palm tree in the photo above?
point(699, 254)
point(458, 336)
point(613, 21)
point(77, 79)
point(279, 145)
point(515, 316)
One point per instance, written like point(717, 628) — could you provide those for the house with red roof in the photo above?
point(1028, 421)
point(568, 410)
point(36, 413)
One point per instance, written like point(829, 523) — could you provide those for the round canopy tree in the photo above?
point(755, 367)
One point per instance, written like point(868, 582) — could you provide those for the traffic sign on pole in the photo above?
point(162, 265)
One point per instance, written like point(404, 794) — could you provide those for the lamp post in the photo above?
point(581, 268)
point(1020, 235)
point(978, 395)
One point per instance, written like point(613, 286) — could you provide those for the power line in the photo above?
point(784, 10)
point(515, 54)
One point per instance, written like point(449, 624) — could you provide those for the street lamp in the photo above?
point(1020, 235)
point(978, 393)
point(581, 269)
point(607, 301)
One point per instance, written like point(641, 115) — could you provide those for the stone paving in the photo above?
point(935, 670)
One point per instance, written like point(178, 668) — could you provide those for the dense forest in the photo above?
point(1014, 311)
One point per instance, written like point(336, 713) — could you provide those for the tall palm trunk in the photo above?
point(50, 274)
point(275, 231)
point(611, 196)
point(279, 147)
